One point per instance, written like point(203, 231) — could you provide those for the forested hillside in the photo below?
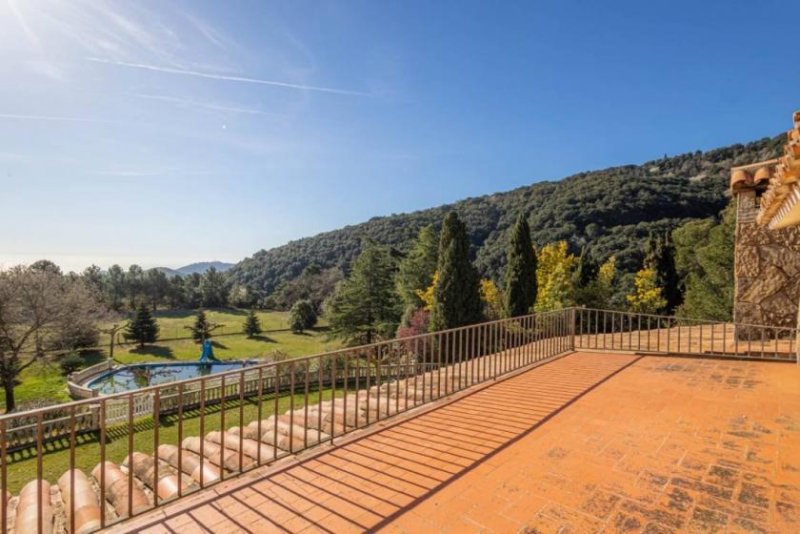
point(610, 211)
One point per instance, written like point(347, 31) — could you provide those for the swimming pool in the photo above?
point(141, 375)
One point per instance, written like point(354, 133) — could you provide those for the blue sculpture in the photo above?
point(208, 353)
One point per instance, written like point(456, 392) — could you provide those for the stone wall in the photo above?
point(767, 269)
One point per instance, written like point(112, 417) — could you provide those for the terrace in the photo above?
point(579, 420)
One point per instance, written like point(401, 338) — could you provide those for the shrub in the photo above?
point(71, 363)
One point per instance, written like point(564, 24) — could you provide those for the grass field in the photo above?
point(173, 323)
point(44, 381)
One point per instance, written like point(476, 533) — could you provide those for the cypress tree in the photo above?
point(586, 271)
point(660, 257)
point(143, 328)
point(456, 295)
point(521, 285)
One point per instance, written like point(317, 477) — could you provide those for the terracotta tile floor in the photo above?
point(586, 443)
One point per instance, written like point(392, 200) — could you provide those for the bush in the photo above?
point(71, 363)
point(302, 316)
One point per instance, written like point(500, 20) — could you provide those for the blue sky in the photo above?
point(163, 133)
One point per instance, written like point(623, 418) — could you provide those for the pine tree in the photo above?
point(366, 307)
point(660, 256)
point(143, 328)
point(415, 272)
point(521, 287)
point(252, 326)
point(202, 328)
point(456, 295)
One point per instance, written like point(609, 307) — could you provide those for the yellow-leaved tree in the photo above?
point(607, 272)
point(427, 296)
point(492, 298)
point(554, 277)
point(648, 296)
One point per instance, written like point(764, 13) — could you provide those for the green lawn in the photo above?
point(43, 382)
point(172, 323)
point(229, 347)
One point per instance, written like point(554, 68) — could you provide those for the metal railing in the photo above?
point(278, 409)
point(270, 411)
point(659, 334)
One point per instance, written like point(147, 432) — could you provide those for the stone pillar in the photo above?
point(767, 269)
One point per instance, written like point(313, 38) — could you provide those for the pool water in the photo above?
point(133, 377)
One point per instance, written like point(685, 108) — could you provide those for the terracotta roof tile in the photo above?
point(778, 178)
point(752, 176)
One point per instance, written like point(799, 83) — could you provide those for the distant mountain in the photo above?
point(200, 267)
point(610, 211)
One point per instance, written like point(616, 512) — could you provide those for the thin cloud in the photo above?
point(211, 106)
point(223, 77)
point(14, 116)
point(23, 23)
point(128, 173)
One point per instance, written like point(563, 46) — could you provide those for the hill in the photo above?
point(200, 267)
point(610, 211)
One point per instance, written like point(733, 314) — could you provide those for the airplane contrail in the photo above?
point(225, 77)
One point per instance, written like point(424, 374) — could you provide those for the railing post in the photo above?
point(573, 327)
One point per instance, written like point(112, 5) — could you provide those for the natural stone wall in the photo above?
point(767, 269)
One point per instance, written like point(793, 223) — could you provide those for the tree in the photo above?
point(704, 259)
point(521, 288)
point(417, 269)
point(302, 316)
point(554, 277)
point(156, 287)
point(32, 304)
point(93, 276)
point(598, 292)
point(366, 307)
point(418, 324)
point(660, 256)
point(456, 294)
point(647, 297)
point(202, 327)
point(192, 290)
point(252, 326)
point(46, 266)
point(134, 284)
point(240, 297)
point(426, 296)
point(213, 288)
point(143, 328)
point(176, 292)
point(115, 287)
point(586, 269)
point(493, 306)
